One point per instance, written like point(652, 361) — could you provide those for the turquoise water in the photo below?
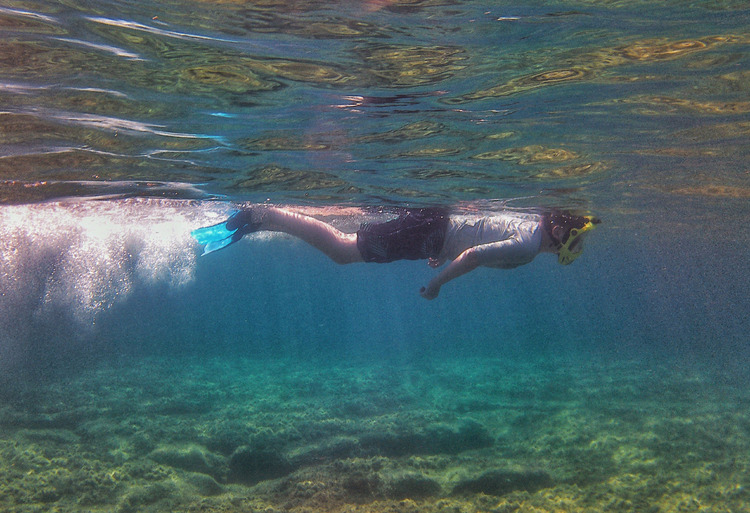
point(138, 376)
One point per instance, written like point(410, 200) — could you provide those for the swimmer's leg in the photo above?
point(338, 246)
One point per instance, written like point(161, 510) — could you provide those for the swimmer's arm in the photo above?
point(484, 254)
point(464, 263)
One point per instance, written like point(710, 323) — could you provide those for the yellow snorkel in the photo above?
point(571, 248)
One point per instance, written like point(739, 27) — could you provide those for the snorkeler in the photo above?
point(502, 240)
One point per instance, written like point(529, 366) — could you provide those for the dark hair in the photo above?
point(567, 221)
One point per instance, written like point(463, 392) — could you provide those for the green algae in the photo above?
point(458, 435)
point(391, 65)
point(594, 65)
point(190, 457)
point(410, 131)
point(269, 178)
point(182, 68)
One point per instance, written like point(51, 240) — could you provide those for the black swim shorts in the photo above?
point(416, 234)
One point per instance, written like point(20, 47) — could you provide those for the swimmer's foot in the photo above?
point(228, 232)
point(242, 221)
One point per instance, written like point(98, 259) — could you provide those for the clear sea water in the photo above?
point(137, 375)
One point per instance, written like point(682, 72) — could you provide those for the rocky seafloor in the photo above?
point(435, 435)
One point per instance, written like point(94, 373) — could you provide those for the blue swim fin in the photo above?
point(216, 245)
point(213, 233)
point(219, 236)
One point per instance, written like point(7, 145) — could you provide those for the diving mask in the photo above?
point(572, 247)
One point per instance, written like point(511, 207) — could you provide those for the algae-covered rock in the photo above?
point(250, 465)
point(60, 420)
point(190, 457)
point(139, 497)
point(326, 450)
point(437, 438)
point(502, 481)
point(412, 486)
point(362, 485)
point(49, 436)
point(204, 485)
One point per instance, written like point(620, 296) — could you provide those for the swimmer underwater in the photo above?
point(502, 240)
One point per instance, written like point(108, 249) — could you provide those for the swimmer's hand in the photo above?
point(430, 291)
point(464, 263)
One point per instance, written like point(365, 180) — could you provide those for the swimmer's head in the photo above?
point(566, 231)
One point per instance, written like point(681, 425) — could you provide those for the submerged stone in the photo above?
point(361, 485)
point(413, 486)
point(203, 484)
point(435, 439)
point(502, 481)
point(190, 457)
point(139, 497)
point(250, 465)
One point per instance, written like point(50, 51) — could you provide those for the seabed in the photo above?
point(462, 435)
